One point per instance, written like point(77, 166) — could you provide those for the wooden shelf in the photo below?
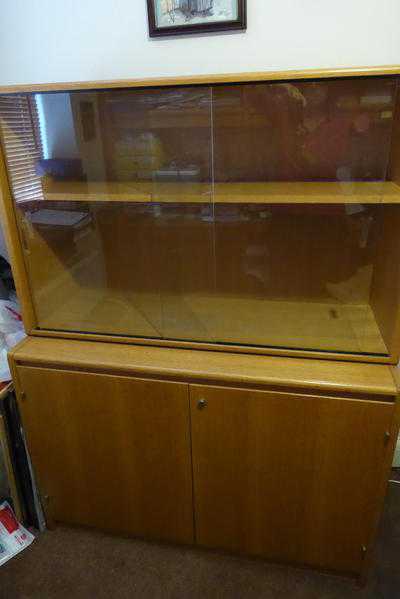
point(323, 325)
point(100, 311)
point(189, 364)
point(384, 192)
point(225, 193)
point(135, 192)
point(186, 119)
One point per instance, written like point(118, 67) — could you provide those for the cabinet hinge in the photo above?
point(387, 437)
point(22, 396)
point(363, 551)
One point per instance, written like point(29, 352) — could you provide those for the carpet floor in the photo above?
point(75, 563)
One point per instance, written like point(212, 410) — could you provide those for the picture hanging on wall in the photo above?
point(182, 17)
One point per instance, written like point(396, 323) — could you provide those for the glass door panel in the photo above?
point(158, 143)
point(297, 276)
point(322, 131)
point(300, 175)
point(122, 190)
point(182, 190)
point(254, 214)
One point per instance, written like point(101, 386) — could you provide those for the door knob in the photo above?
point(201, 404)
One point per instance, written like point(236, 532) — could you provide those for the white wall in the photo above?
point(57, 125)
point(68, 40)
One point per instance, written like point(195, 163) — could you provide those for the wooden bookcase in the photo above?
point(164, 212)
point(209, 276)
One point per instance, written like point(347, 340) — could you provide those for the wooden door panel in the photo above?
point(290, 477)
point(111, 452)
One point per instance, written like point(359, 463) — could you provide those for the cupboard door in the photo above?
point(290, 477)
point(110, 451)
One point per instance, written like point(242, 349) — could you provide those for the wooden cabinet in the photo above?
point(287, 476)
point(156, 215)
point(282, 458)
point(209, 276)
point(111, 451)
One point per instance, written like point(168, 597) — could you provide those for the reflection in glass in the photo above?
point(304, 131)
point(297, 275)
point(256, 214)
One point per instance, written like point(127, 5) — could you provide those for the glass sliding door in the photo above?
point(252, 214)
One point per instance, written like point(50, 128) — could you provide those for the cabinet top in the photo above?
point(207, 366)
point(206, 79)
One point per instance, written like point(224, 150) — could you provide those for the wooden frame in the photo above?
point(15, 248)
point(190, 365)
point(15, 243)
point(263, 76)
point(213, 27)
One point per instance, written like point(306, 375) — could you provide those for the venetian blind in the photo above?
point(20, 133)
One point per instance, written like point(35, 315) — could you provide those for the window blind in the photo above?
point(20, 134)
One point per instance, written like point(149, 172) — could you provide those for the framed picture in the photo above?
point(182, 17)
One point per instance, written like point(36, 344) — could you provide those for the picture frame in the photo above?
point(185, 17)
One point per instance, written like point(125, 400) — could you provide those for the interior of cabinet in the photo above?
point(133, 273)
point(304, 142)
point(253, 214)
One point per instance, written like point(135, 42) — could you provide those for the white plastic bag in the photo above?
point(11, 332)
point(13, 536)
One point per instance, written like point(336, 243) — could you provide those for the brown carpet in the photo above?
point(73, 563)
